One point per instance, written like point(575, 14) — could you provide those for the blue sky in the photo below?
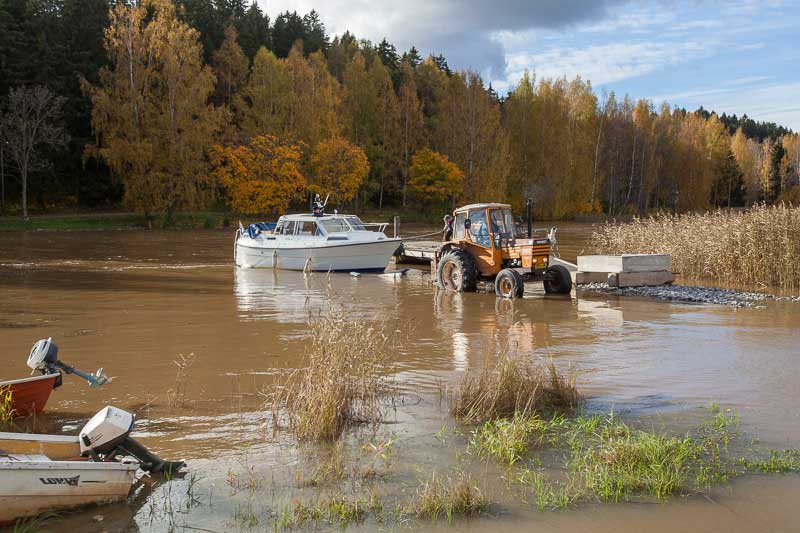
point(740, 56)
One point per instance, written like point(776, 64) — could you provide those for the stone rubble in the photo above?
point(693, 294)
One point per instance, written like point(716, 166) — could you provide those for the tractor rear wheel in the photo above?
point(509, 284)
point(557, 280)
point(457, 272)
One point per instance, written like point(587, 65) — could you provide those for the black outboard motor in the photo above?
point(107, 436)
point(44, 358)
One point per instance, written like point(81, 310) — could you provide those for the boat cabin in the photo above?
point(320, 226)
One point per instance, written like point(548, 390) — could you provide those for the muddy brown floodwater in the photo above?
point(135, 301)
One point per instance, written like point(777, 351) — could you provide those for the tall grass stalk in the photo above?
point(513, 387)
point(757, 247)
point(446, 496)
point(7, 413)
point(343, 381)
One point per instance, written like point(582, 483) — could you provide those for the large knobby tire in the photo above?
point(509, 284)
point(457, 272)
point(557, 280)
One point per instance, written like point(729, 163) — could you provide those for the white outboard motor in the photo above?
point(44, 358)
point(107, 435)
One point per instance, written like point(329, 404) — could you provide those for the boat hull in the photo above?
point(31, 485)
point(29, 395)
point(370, 256)
point(55, 447)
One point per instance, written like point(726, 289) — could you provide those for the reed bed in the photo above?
point(343, 380)
point(511, 388)
point(754, 248)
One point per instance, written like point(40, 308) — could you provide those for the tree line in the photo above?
point(163, 106)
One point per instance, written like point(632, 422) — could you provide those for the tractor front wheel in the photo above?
point(557, 280)
point(457, 272)
point(509, 284)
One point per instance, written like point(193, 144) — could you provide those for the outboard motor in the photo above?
point(107, 436)
point(44, 358)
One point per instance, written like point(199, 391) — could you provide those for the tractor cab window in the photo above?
point(479, 229)
point(458, 227)
point(511, 228)
point(500, 230)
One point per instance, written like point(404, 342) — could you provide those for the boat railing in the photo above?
point(379, 226)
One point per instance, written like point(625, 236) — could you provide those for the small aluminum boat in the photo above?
point(104, 471)
point(33, 484)
point(316, 242)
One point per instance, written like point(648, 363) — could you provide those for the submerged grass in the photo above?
point(757, 247)
point(609, 460)
point(449, 496)
point(513, 387)
point(343, 381)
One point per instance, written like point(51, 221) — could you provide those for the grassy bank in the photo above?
point(755, 248)
point(111, 221)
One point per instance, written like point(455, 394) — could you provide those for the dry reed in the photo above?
point(7, 412)
point(757, 247)
point(512, 387)
point(344, 379)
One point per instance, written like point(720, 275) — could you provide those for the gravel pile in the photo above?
point(691, 294)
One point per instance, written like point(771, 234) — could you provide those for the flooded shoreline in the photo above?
point(133, 302)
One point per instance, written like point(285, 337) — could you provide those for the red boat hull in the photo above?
point(29, 395)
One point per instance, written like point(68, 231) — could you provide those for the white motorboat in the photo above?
point(316, 242)
point(104, 471)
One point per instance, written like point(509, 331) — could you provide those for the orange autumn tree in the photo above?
point(434, 178)
point(338, 168)
point(262, 176)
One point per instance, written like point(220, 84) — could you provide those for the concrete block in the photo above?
point(624, 263)
point(640, 279)
point(590, 277)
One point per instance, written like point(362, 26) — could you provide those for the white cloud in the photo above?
point(607, 63)
point(779, 103)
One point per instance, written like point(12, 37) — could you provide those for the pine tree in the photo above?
point(230, 67)
point(728, 189)
point(777, 171)
point(314, 36)
point(387, 53)
point(411, 57)
point(287, 30)
point(253, 31)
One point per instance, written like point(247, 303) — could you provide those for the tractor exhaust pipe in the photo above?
point(529, 208)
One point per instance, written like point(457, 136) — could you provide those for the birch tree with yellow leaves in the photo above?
point(151, 112)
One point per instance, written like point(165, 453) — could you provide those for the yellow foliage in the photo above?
point(260, 177)
point(339, 169)
point(151, 113)
point(434, 178)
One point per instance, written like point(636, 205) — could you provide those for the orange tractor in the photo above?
point(481, 244)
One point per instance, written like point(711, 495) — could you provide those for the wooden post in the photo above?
point(396, 226)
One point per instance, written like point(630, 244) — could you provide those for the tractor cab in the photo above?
point(483, 243)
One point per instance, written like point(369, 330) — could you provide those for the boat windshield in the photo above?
point(356, 223)
point(335, 225)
